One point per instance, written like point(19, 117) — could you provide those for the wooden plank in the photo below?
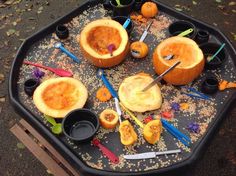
point(44, 142)
point(38, 152)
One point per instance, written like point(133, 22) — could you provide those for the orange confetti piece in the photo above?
point(231, 85)
point(184, 106)
point(225, 85)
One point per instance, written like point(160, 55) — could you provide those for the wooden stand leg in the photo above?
point(42, 150)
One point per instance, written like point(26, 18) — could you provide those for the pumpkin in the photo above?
point(97, 37)
point(132, 97)
point(127, 134)
point(108, 119)
point(56, 97)
point(149, 9)
point(152, 131)
point(184, 50)
point(103, 94)
point(139, 49)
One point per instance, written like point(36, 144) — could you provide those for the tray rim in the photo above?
point(69, 154)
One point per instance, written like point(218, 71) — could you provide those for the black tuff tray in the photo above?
point(85, 157)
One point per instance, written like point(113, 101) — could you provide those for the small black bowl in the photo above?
point(138, 4)
point(210, 49)
point(30, 85)
point(80, 125)
point(125, 10)
point(62, 32)
point(202, 36)
point(121, 20)
point(210, 85)
point(180, 26)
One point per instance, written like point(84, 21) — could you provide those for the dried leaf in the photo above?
point(40, 9)
point(9, 2)
point(2, 78)
point(179, 9)
point(2, 99)
point(10, 32)
point(232, 3)
point(20, 145)
point(194, 2)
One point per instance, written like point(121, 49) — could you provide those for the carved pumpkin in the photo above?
point(108, 119)
point(97, 38)
point(139, 49)
point(149, 9)
point(56, 97)
point(132, 97)
point(185, 50)
point(127, 134)
point(152, 131)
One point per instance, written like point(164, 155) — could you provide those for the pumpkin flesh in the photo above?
point(97, 36)
point(108, 119)
point(184, 50)
point(132, 97)
point(56, 97)
point(127, 134)
point(152, 131)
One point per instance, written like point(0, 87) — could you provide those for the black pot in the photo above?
point(121, 20)
point(80, 125)
point(125, 9)
point(202, 36)
point(30, 85)
point(210, 85)
point(62, 32)
point(138, 4)
point(107, 4)
point(180, 26)
point(210, 49)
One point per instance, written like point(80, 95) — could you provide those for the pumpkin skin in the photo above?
point(56, 97)
point(97, 36)
point(149, 9)
point(108, 119)
point(127, 134)
point(139, 49)
point(131, 95)
point(185, 50)
point(152, 131)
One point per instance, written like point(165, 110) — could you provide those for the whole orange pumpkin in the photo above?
point(149, 9)
point(184, 50)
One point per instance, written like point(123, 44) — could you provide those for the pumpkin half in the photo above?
point(152, 131)
point(56, 97)
point(108, 119)
point(184, 50)
point(132, 97)
point(97, 38)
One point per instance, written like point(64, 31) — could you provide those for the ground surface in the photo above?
point(21, 18)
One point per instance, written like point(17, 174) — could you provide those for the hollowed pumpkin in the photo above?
point(127, 134)
point(56, 97)
point(108, 119)
point(96, 38)
point(152, 131)
point(184, 50)
point(132, 97)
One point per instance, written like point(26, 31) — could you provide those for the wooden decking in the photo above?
point(42, 150)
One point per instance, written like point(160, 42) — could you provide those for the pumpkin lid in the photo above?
point(184, 49)
point(56, 97)
point(132, 97)
point(99, 34)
